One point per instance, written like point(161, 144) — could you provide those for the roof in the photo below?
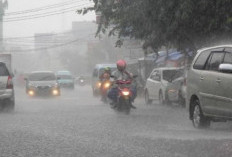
point(63, 72)
point(219, 46)
point(105, 65)
point(33, 72)
point(169, 68)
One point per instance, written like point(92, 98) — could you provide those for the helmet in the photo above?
point(107, 69)
point(121, 65)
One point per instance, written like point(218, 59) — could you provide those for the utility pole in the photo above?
point(3, 6)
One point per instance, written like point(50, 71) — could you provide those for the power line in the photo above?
point(44, 13)
point(54, 11)
point(50, 47)
point(40, 36)
point(40, 15)
point(43, 8)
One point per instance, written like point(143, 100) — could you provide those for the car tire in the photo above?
point(148, 101)
point(198, 119)
point(161, 98)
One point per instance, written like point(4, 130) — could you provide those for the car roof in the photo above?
point(168, 68)
point(63, 72)
point(35, 72)
point(213, 47)
point(105, 65)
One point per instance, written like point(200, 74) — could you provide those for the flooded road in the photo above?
point(76, 124)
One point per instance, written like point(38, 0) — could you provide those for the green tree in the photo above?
point(184, 24)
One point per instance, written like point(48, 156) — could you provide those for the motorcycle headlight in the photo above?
point(99, 84)
point(107, 85)
point(125, 93)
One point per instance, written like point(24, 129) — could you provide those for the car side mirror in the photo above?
point(225, 68)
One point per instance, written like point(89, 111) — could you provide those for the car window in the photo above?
point(228, 56)
point(201, 60)
point(172, 74)
point(203, 57)
point(215, 60)
point(3, 70)
point(68, 77)
point(155, 75)
point(42, 77)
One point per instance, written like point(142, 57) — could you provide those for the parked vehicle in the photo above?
point(156, 84)
point(7, 97)
point(65, 79)
point(42, 83)
point(97, 72)
point(209, 86)
point(176, 88)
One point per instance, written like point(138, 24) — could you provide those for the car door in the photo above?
point(157, 84)
point(211, 83)
point(151, 84)
point(224, 88)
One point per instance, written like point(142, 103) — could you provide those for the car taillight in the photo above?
point(9, 83)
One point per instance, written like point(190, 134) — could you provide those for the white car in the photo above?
point(7, 98)
point(156, 84)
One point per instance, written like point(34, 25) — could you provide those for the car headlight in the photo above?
point(55, 92)
point(31, 92)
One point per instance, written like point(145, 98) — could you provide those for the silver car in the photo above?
point(209, 88)
point(7, 98)
point(42, 83)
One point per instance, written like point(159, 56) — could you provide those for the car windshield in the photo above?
point(172, 74)
point(42, 77)
point(65, 77)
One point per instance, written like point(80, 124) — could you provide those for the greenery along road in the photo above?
point(184, 24)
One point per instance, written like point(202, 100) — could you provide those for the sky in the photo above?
point(29, 9)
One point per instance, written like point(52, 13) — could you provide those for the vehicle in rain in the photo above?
point(7, 97)
point(97, 72)
point(156, 85)
point(81, 80)
point(176, 88)
point(42, 83)
point(209, 86)
point(65, 79)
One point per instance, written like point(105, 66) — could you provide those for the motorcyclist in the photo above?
point(121, 74)
point(106, 74)
point(105, 77)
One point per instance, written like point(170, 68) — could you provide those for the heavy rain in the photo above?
point(115, 78)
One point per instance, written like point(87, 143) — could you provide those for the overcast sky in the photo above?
point(56, 23)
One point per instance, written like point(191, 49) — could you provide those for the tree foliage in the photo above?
point(178, 23)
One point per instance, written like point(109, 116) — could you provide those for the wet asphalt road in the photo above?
point(78, 125)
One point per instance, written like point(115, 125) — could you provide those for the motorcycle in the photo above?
point(124, 103)
point(81, 81)
point(105, 86)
